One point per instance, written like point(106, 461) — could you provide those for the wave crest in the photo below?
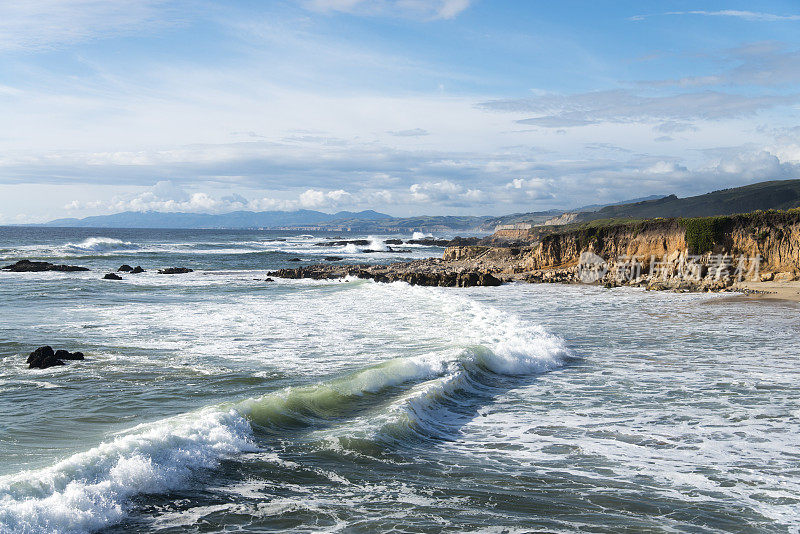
point(100, 244)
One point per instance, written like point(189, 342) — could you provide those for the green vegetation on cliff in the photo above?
point(773, 195)
point(702, 234)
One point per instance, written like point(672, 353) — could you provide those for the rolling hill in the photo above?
point(778, 194)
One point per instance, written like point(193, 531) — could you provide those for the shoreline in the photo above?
point(460, 273)
point(781, 291)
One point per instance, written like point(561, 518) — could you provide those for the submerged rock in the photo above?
point(112, 276)
point(294, 259)
point(27, 266)
point(137, 270)
point(333, 258)
point(175, 270)
point(124, 268)
point(45, 357)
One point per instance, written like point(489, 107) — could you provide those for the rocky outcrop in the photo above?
point(422, 273)
point(27, 266)
point(702, 254)
point(45, 357)
point(124, 268)
point(357, 242)
point(112, 276)
point(136, 270)
point(175, 270)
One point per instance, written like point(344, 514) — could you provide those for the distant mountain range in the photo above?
point(235, 219)
point(781, 194)
point(367, 221)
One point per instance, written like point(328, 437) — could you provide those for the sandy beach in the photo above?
point(770, 290)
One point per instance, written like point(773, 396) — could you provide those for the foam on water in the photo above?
point(100, 244)
point(91, 490)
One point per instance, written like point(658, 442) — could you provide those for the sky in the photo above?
point(409, 107)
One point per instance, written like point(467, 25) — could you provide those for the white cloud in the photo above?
point(427, 9)
point(622, 106)
point(166, 196)
point(314, 199)
point(532, 188)
point(765, 64)
point(37, 24)
point(430, 191)
point(415, 132)
point(754, 16)
point(451, 8)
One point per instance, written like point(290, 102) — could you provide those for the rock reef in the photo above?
point(422, 273)
point(45, 357)
point(175, 270)
point(27, 266)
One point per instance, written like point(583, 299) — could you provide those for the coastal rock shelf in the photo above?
point(421, 273)
point(175, 270)
point(27, 266)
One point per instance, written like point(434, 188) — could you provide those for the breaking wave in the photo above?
point(432, 394)
point(100, 244)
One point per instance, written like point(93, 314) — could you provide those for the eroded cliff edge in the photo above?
point(700, 254)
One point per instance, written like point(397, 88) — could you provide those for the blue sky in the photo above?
point(404, 106)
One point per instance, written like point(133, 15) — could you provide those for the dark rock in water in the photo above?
point(175, 270)
point(393, 273)
point(394, 241)
point(112, 276)
point(125, 268)
point(268, 279)
point(40, 354)
point(62, 354)
point(294, 259)
point(333, 258)
point(137, 270)
point(44, 357)
point(27, 266)
point(357, 242)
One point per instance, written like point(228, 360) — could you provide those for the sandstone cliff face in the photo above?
point(779, 247)
point(564, 250)
point(774, 237)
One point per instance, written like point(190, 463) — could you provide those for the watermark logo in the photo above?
point(593, 268)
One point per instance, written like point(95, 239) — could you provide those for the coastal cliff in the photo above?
point(693, 254)
point(713, 252)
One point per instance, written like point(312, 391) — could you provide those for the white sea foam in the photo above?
point(90, 490)
point(100, 244)
point(376, 244)
point(421, 235)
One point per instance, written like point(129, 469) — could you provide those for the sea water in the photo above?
point(216, 401)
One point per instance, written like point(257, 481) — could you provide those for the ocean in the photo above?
point(217, 401)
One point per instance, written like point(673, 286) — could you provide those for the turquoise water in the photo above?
point(215, 401)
